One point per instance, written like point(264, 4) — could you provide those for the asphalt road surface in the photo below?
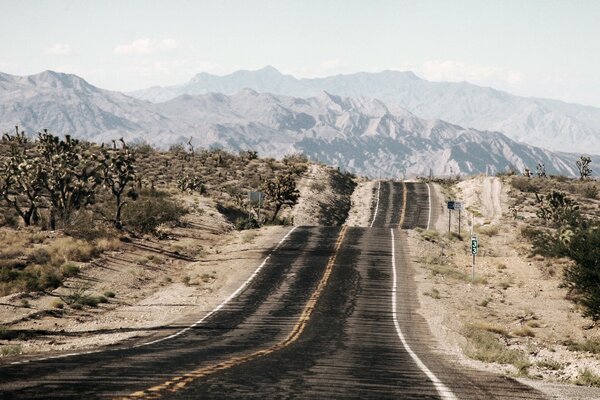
point(330, 315)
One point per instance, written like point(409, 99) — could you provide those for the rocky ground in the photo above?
point(514, 318)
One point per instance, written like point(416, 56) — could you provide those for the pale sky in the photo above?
point(536, 48)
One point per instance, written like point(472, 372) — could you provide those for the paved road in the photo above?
point(330, 315)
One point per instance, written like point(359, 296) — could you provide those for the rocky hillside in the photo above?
point(540, 122)
point(359, 134)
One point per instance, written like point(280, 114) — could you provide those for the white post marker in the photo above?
point(444, 392)
point(474, 250)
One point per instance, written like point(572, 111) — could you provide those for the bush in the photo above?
point(146, 214)
point(584, 276)
point(67, 249)
point(70, 269)
point(246, 223)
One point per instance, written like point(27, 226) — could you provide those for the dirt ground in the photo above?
point(155, 282)
point(362, 200)
point(513, 296)
point(153, 285)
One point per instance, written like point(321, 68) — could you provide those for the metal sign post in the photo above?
point(450, 208)
point(454, 205)
point(256, 197)
point(474, 250)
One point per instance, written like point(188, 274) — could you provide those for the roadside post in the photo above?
point(454, 205)
point(474, 250)
point(256, 198)
point(450, 208)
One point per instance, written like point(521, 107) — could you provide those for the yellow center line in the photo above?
point(180, 382)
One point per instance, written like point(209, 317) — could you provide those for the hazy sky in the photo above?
point(533, 48)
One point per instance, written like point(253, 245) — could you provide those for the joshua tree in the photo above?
point(20, 178)
point(69, 175)
point(583, 166)
point(541, 170)
point(117, 170)
point(281, 191)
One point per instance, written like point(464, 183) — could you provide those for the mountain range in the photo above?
point(360, 134)
point(554, 124)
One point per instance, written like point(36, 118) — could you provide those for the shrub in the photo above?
point(486, 347)
point(70, 269)
point(587, 378)
point(583, 276)
point(58, 304)
point(246, 223)
point(593, 346)
point(146, 214)
point(67, 249)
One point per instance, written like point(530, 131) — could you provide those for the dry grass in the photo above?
point(587, 378)
point(67, 249)
point(523, 331)
point(485, 346)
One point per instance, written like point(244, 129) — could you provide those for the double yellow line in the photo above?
point(182, 381)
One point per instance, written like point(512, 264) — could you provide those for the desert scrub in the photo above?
point(592, 346)
point(433, 293)
point(485, 346)
point(248, 237)
point(146, 214)
point(79, 297)
point(430, 236)
point(67, 249)
point(587, 378)
point(550, 365)
point(70, 269)
point(11, 350)
point(489, 230)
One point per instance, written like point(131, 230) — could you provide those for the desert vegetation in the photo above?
point(64, 200)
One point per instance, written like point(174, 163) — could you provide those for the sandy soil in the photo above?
point(153, 285)
point(156, 282)
point(362, 201)
point(515, 294)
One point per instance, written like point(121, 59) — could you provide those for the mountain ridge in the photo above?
point(558, 125)
point(361, 134)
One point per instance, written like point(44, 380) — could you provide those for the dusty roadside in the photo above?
point(513, 318)
point(151, 284)
point(148, 284)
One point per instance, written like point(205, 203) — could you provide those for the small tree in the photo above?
point(281, 190)
point(583, 166)
point(527, 173)
point(558, 208)
point(20, 178)
point(584, 276)
point(541, 170)
point(117, 171)
point(69, 175)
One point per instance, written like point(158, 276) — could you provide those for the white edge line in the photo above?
point(444, 392)
point(377, 205)
point(227, 300)
point(233, 295)
point(429, 197)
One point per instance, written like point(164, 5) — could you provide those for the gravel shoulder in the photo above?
point(515, 298)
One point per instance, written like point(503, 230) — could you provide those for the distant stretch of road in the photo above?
point(330, 314)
